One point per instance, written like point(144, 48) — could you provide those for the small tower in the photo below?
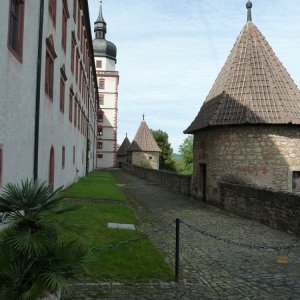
point(144, 151)
point(122, 153)
point(251, 111)
point(108, 80)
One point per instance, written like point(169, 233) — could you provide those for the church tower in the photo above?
point(105, 53)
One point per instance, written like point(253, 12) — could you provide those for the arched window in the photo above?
point(51, 169)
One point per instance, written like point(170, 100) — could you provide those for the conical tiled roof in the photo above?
point(253, 87)
point(144, 140)
point(124, 147)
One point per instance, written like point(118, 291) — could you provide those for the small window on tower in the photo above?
point(99, 64)
point(100, 131)
point(101, 84)
point(101, 99)
point(99, 145)
point(100, 118)
point(100, 155)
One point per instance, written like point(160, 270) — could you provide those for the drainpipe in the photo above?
point(38, 94)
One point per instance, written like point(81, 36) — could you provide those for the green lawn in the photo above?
point(134, 261)
point(97, 185)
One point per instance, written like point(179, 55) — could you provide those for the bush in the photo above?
point(33, 261)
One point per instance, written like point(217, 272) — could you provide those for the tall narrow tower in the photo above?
point(108, 79)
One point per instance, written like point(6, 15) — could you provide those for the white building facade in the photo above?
point(108, 80)
point(48, 92)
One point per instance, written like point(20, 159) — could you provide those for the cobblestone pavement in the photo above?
point(210, 268)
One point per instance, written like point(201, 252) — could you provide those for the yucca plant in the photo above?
point(33, 260)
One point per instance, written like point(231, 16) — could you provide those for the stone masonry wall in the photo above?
point(264, 156)
point(277, 209)
point(173, 181)
point(143, 158)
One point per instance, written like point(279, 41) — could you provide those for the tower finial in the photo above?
point(100, 24)
point(249, 6)
point(126, 132)
point(143, 117)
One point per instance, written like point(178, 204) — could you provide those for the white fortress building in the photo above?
point(108, 80)
point(48, 91)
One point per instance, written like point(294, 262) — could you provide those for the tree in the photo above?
point(165, 159)
point(186, 150)
point(34, 261)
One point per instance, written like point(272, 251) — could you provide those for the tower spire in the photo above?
point(249, 6)
point(100, 25)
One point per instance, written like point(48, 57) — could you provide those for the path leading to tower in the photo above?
point(210, 268)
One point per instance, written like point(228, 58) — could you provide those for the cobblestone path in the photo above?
point(210, 268)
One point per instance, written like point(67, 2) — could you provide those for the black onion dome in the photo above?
point(105, 48)
point(101, 46)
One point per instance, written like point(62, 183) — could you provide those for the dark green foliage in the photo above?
point(186, 151)
point(33, 261)
point(165, 159)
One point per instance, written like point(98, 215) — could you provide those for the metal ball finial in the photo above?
point(249, 6)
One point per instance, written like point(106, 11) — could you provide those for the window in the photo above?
point(75, 113)
point(16, 26)
point(99, 145)
point(100, 155)
point(296, 181)
point(1, 164)
point(77, 62)
point(72, 54)
point(101, 84)
point(100, 117)
point(100, 131)
point(79, 113)
point(52, 11)
point(71, 106)
point(64, 30)
point(78, 21)
point(74, 9)
point(101, 99)
point(74, 154)
point(62, 95)
point(63, 157)
point(49, 69)
point(99, 64)
point(49, 75)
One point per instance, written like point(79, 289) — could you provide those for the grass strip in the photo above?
point(97, 185)
point(137, 261)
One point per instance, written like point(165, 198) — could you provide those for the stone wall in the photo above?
point(173, 181)
point(141, 159)
point(276, 209)
point(265, 156)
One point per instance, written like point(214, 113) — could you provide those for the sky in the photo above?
point(169, 53)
